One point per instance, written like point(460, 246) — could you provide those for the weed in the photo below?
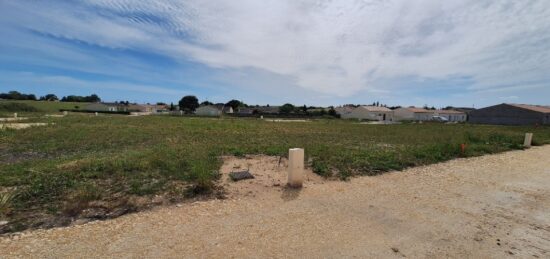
point(321, 168)
point(6, 202)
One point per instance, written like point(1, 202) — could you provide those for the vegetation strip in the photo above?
point(87, 167)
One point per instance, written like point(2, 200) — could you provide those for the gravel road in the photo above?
point(486, 207)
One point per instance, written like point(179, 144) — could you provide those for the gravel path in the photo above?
point(487, 207)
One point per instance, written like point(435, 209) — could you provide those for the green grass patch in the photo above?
point(82, 159)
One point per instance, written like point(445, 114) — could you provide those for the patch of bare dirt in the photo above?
point(270, 175)
point(18, 126)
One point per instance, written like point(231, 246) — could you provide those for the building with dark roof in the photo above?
point(511, 114)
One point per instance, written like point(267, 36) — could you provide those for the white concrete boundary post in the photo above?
point(96, 114)
point(528, 139)
point(15, 114)
point(295, 167)
point(65, 113)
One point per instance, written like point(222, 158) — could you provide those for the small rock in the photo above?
point(395, 250)
point(3, 222)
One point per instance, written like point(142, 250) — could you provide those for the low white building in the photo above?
point(413, 114)
point(373, 113)
point(344, 111)
point(451, 115)
point(421, 114)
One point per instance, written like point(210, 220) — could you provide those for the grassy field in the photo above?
point(98, 167)
point(39, 107)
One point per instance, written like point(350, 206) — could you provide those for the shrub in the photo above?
point(321, 168)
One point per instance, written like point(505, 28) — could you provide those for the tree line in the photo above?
point(190, 103)
point(15, 95)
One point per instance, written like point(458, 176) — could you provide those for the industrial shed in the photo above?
point(511, 114)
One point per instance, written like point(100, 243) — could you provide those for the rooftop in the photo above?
point(537, 108)
point(376, 108)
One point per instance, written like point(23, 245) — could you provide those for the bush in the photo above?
point(321, 168)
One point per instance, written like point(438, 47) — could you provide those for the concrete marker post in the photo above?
point(65, 113)
point(96, 114)
point(15, 115)
point(295, 167)
point(528, 139)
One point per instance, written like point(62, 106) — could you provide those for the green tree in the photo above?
point(206, 103)
point(189, 103)
point(286, 108)
point(234, 104)
point(49, 97)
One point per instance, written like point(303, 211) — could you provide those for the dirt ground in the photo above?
point(487, 207)
point(18, 126)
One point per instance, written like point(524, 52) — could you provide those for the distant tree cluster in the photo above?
point(15, 95)
point(235, 104)
point(75, 98)
point(190, 103)
point(49, 97)
point(288, 108)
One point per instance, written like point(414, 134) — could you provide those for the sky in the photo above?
point(418, 52)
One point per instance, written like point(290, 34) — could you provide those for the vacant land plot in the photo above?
point(85, 167)
point(494, 206)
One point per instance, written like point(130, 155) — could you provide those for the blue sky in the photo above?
point(462, 53)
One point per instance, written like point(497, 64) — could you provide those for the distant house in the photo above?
point(122, 107)
point(103, 107)
point(224, 108)
point(413, 114)
point(466, 110)
point(246, 111)
point(146, 108)
point(451, 115)
point(268, 109)
point(374, 113)
point(344, 111)
point(511, 114)
point(208, 110)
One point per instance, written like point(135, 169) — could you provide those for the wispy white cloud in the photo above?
point(334, 48)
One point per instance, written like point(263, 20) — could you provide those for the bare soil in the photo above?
point(269, 173)
point(494, 206)
point(19, 126)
